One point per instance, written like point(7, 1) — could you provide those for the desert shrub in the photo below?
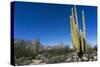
point(20, 50)
point(58, 51)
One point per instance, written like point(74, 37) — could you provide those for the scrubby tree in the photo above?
point(36, 46)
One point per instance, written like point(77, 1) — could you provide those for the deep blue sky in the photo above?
point(50, 22)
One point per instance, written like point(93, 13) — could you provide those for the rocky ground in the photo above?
point(40, 59)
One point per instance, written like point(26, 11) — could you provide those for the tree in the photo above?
point(36, 46)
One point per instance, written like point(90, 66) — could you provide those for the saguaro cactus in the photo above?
point(78, 37)
point(84, 31)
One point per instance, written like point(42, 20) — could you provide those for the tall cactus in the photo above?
point(78, 37)
point(72, 31)
point(84, 31)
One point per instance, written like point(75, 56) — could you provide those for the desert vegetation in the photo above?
point(33, 52)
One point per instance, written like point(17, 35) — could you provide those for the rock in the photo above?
point(69, 60)
point(75, 59)
point(79, 60)
point(27, 62)
point(36, 61)
point(85, 55)
point(84, 58)
point(55, 59)
point(40, 57)
point(90, 59)
point(95, 58)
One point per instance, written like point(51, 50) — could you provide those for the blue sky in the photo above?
point(50, 22)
